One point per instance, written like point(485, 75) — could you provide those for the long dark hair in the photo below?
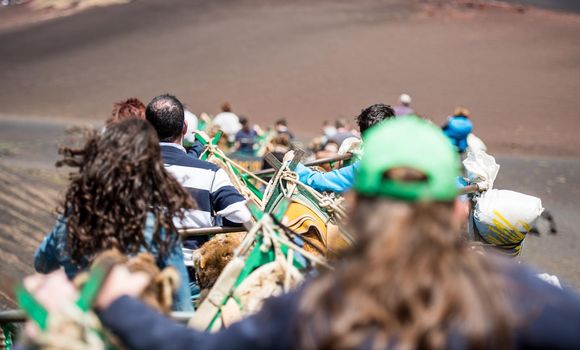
point(411, 282)
point(120, 179)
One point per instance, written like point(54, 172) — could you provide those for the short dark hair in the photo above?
point(373, 115)
point(165, 113)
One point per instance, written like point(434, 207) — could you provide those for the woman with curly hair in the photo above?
point(121, 197)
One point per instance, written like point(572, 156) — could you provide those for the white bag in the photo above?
point(474, 143)
point(503, 217)
point(481, 169)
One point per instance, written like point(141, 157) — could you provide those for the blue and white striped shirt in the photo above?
point(218, 201)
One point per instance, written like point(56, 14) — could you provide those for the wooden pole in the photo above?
point(469, 189)
point(196, 232)
point(345, 156)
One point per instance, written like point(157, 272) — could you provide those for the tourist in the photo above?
point(281, 128)
point(342, 179)
point(404, 106)
point(343, 132)
point(218, 202)
point(121, 197)
point(458, 127)
point(246, 137)
point(279, 145)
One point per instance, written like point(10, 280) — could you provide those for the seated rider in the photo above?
point(342, 179)
point(246, 137)
point(458, 128)
point(121, 197)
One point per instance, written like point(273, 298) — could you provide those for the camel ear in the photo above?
point(197, 257)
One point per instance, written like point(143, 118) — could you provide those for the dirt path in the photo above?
point(307, 61)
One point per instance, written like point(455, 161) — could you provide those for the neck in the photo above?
point(178, 141)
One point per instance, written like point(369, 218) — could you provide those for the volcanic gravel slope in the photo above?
point(519, 73)
point(28, 199)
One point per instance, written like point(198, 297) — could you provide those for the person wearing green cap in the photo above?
point(411, 281)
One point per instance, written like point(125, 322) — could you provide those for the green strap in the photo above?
point(245, 178)
point(255, 259)
point(255, 210)
point(92, 287)
point(32, 307)
point(7, 330)
point(214, 142)
point(280, 209)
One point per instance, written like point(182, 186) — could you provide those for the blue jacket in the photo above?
point(52, 254)
point(549, 318)
point(339, 180)
point(457, 129)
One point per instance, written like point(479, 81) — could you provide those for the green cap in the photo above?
point(408, 142)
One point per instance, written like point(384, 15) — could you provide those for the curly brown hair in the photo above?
point(131, 108)
point(410, 283)
point(120, 180)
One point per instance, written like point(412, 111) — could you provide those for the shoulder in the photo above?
point(59, 231)
point(532, 295)
point(178, 158)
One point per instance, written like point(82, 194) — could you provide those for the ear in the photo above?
point(184, 131)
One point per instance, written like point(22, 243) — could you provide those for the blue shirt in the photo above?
point(246, 140)
point(339, 180)
point(53, 253)
point(457, 129)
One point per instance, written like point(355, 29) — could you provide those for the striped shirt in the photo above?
point(218, 201)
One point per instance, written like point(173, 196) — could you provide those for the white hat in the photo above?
point(405, 99)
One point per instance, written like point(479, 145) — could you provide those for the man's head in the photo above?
point(244, 123)
point(372, 115)
point(165, 113)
